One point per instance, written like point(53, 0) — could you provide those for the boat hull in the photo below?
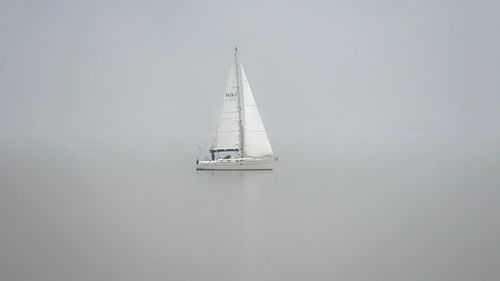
point(236, 164)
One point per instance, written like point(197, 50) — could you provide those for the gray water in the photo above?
point(341, 205)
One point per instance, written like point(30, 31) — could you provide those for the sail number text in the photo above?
point(230, 96)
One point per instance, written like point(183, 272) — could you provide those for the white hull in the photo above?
point(236, 164)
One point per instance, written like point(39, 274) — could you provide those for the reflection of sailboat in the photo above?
point(241, 141)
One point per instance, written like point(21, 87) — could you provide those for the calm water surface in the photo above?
point(341, 205)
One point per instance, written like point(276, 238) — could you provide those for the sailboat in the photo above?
point(241, 141)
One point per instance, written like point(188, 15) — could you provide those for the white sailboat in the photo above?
point(240, 142)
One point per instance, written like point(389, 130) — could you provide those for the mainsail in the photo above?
point(228, 134)
point(240, 125)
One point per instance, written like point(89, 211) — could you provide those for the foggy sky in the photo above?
point(315, 64)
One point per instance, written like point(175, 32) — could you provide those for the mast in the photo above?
point(239, 91)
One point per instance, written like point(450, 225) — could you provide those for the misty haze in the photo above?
point(385, 116)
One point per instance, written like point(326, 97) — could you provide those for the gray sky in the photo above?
point(314, 64)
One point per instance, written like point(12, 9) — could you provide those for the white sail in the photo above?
point(255, 141)
point(228, 134)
